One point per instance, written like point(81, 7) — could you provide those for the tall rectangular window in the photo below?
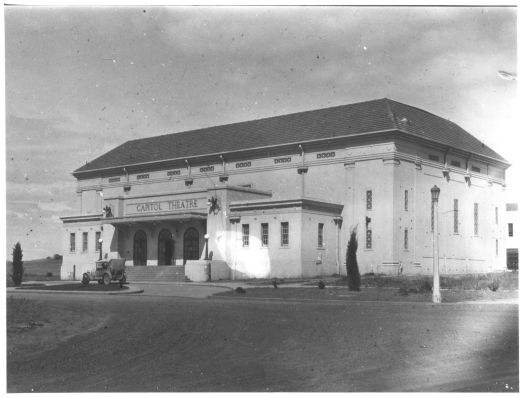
point(511, 229)
point(406, 239)
point(246, 234)
point(72, 239)
point(368, 238)
point(84, 241)
point(406, 200)
point(284, 234)
point(496, 215)
point(320, 237)
point(476, 221)
point(497, 247)
point(264, 234)
point(369, 200)
point(97, 243)
point(456, 216)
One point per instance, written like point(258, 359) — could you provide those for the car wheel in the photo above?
point(85, 279)
point(107, 279)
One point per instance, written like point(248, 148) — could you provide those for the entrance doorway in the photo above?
point(165, 248)
point(140, 248)
point(191, 244)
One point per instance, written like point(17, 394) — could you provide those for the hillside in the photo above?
point(41, 269)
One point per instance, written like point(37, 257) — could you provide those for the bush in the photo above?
point(49, 274)
point(57, 257)
point(18, 265)
point(352, 269)
point(321, 285)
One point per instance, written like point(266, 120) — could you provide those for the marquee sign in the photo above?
point(163, 206)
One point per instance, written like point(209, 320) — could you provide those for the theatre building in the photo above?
point(278, 197)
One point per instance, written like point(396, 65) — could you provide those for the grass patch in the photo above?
point(421, 284)
point(368, 294)
point(74, 287)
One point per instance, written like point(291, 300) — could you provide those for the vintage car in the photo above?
point(107, 271)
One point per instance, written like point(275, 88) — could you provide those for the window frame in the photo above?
point(85, 239)
point(320, 236)
point(72, 242)
point(369, 199)
point(245, 235)
point(265, 234)
point(285, 233)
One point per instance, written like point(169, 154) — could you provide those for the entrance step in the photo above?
point(157, 273)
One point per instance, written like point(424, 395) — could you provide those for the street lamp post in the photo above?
point(436, 295)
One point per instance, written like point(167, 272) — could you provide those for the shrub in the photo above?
point(57, 257)
point(240, 290)
point(321, 285)
point(49, 274)
point(18, 265)
point(352, 269)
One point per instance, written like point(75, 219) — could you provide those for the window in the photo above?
point(406, 200)
point(434, 158)
point(246, 234)
point(84, 241)
point(264, 234)
point(406, 239)
point(511, 229)
point(456, 216)
point(97, 243)
point(496, 215)
point(320, 240)
point(368, 238)
point(369, 200)
point(497, 247)
point(284, 233)
point(476, 225)
point(142, 176)
point(72, 242)
point(114, 179)
point(455, 163)
point(476, 169)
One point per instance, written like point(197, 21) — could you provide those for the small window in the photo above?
point(264, 234)
point(406, 239)
point(406, 200)
point(72, 239)
point(496, 215)
point(456, 216)
point(97, 239)
point(476, 169)
point(142, 176)
point(511, 229)
point(476, 221)
point(320, 238)
point(369, 200)
point(114, 179)
point(284, 234)
point(84, 241)
point(246, 234)
point(368, 238)
point(455, 163)
point(434, 158)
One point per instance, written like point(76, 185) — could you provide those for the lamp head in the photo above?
point(435, 193)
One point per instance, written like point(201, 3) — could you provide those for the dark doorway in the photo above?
point(165, 248)
point(191, 244)
point(140, 248)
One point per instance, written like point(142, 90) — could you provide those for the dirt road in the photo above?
point(166, 343)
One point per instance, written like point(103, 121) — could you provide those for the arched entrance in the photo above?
point(191, 244)
point(140, 248)
point(165, 248)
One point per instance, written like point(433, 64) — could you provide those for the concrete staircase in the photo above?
point(161, 273)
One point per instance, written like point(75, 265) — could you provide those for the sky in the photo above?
point(83, 80)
